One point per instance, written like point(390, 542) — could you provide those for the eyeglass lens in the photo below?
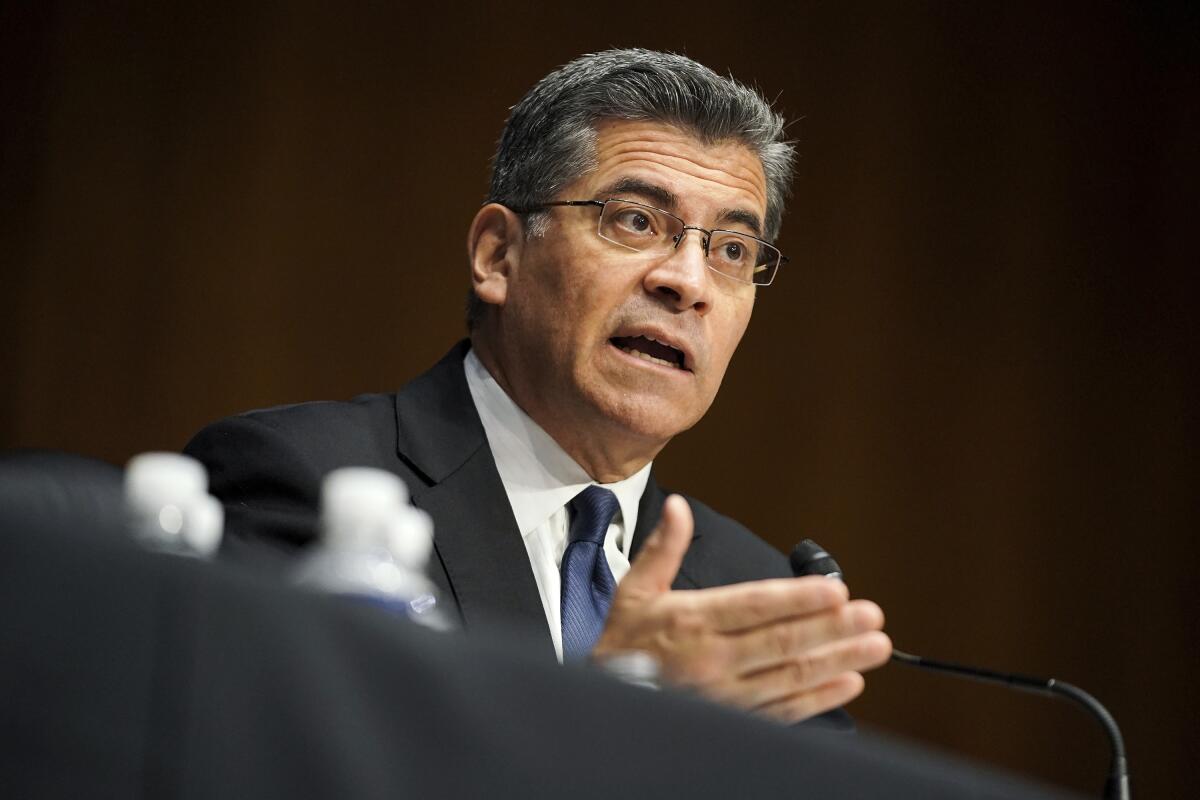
point(644, 228)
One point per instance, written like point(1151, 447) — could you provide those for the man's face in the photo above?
point(576, 304)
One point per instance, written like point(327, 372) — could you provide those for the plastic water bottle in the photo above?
point(169, 507)
point(374, 546)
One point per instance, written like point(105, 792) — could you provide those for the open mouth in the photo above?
point(651, 350)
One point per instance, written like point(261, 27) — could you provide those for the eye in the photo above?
point(635, 221)
point(735, 254)
point(733, 251)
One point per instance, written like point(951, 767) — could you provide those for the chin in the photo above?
point(650, 417)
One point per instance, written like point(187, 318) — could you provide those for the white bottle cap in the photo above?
point(203, 522)
point(410, 537)
point(357, 504)
point(156, 480)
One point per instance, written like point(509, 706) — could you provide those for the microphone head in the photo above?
point(809, 558)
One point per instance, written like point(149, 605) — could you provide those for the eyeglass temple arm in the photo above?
point(574, 203)
point(539, 206)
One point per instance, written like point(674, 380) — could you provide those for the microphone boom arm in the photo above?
point(809, 558)
point(1117, 785)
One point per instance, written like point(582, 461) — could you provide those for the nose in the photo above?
point(681, 276)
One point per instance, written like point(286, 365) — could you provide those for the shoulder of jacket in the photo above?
point(319, 412)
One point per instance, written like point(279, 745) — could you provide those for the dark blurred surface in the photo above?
point(125, 674)
point(973, 384)
point(63, 490)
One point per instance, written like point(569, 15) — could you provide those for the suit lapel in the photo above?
point(440, 437)
point(649, 512)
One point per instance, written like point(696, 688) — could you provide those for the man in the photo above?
point(613, 273)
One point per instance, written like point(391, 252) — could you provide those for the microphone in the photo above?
point(809, 558)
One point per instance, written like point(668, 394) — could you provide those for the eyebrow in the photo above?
point(648, 191)
point(666, 200)
point(747, 218)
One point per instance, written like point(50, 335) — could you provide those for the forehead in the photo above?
point(703, 176)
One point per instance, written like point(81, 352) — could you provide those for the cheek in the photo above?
point(732, 329)
point(591, 295)
point(557, 283)
point(542, 297)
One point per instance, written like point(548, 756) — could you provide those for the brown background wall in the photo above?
point(973, 384)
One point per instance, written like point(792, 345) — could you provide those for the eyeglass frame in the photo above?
point(678, 240)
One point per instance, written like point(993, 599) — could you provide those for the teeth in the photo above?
point(648, 357)
point(660, 341)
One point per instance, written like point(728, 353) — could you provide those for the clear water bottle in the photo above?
point(169, 507)
point(374, 546)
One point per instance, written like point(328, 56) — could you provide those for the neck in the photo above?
point(607, 451)
point(599, 459)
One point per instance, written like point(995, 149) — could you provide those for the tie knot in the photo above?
point(594, 509)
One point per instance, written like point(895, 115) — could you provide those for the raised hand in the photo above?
point(787, 648)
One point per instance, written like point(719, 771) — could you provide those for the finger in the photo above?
point(777, 642)
point(657, 563)
point(835, 693)
point(807, 672)
point(744, 606)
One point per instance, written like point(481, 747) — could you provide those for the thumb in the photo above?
point(657, 563)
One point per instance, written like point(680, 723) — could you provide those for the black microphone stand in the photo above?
point(808, 558)
point(1116, 787)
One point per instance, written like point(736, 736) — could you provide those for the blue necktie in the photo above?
point(587, 582)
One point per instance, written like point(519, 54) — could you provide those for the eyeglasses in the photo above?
point(645, 229)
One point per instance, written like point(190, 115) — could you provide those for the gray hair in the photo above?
point(549, 139)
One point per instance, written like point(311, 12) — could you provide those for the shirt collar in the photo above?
point(538, 475)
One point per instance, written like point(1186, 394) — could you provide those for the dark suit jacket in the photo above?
point(266, 466)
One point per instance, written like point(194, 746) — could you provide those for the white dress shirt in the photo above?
point(540, 480)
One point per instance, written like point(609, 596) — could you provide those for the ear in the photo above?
point(494, 245)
